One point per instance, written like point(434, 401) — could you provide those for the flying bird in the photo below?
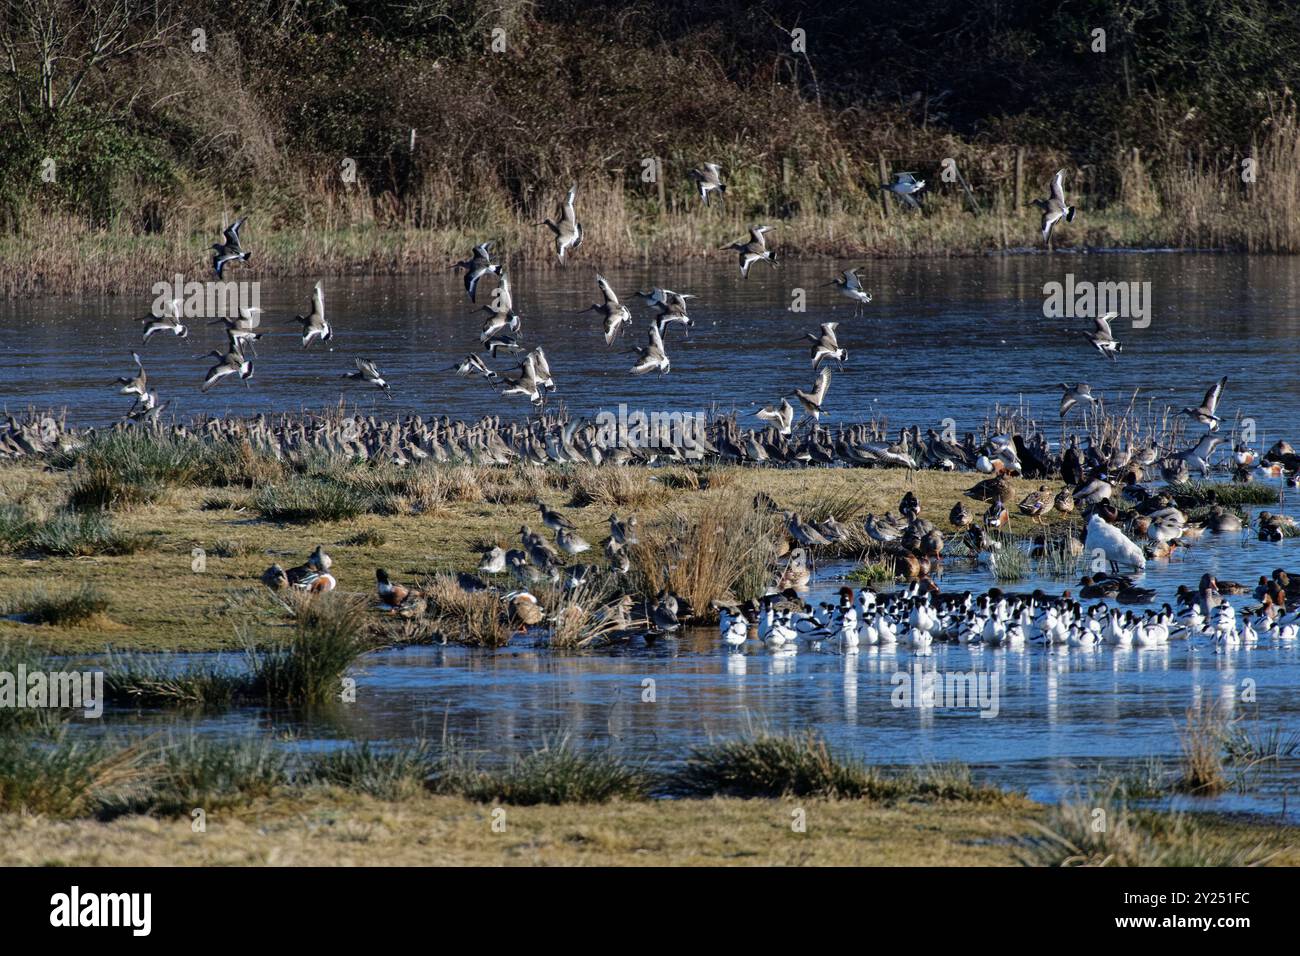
point(1054, 207)
point(1205, 413)
point(826, 345)
point(232, 362)
point(314, 325)
point(1072, 395)
point(754, 250)
point(707, 179)
point(137, 384)
point(652, 357)
point(368, 373)
point(568, 231)
point(616, 314)
point(905, 186)
point(477, 266)
point(1100, 335)
point(850, 287)
point(230, 250)
point(168, 321)
point(242, 330)
point(779, 416)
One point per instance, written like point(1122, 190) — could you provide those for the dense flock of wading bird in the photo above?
point(1094, 476)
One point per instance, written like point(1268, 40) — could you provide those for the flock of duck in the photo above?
point(915, 617)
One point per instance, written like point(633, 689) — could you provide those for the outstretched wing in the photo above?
point(1102, 322)
point(232, 232)
point(823, 383)
point(1058, 186)
point(1049, 220)
point(1212, 397)
point(611, 300)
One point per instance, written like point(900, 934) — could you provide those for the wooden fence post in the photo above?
point(1020, 181)
point(884, 194)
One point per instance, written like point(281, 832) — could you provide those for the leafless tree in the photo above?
point(49, 49)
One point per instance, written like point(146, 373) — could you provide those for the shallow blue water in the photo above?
point(1060, 713)
point(942, 338)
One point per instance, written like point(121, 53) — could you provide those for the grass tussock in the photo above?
point(724, 550)
point(65, 533)
point(366, 538)
point(148, 680)
point(1197, 494)
point(64, 778)
point(87, 604)
point(1201, 741)
point(1100, 829)
point(588, 615)
point(197, 773)
point(802, 765)
point(1011, 563)
point(328, 635)
point(555, 773)
point(388, 773)
point(308, 500)
point(1245, 745)
point(774, 765)
point(466, 617)
point(230, 548)
point(36, 720)
point(615, 486)
point(871, 572)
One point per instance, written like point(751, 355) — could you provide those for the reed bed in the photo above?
point(59, 254)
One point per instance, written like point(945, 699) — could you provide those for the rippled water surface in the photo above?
point(942, 338)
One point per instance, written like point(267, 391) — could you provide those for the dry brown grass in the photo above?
point(467, 617)
point(333, 827)
point(723, 550)
point(829, 208)
point(1202, 739)
point(615, 487)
